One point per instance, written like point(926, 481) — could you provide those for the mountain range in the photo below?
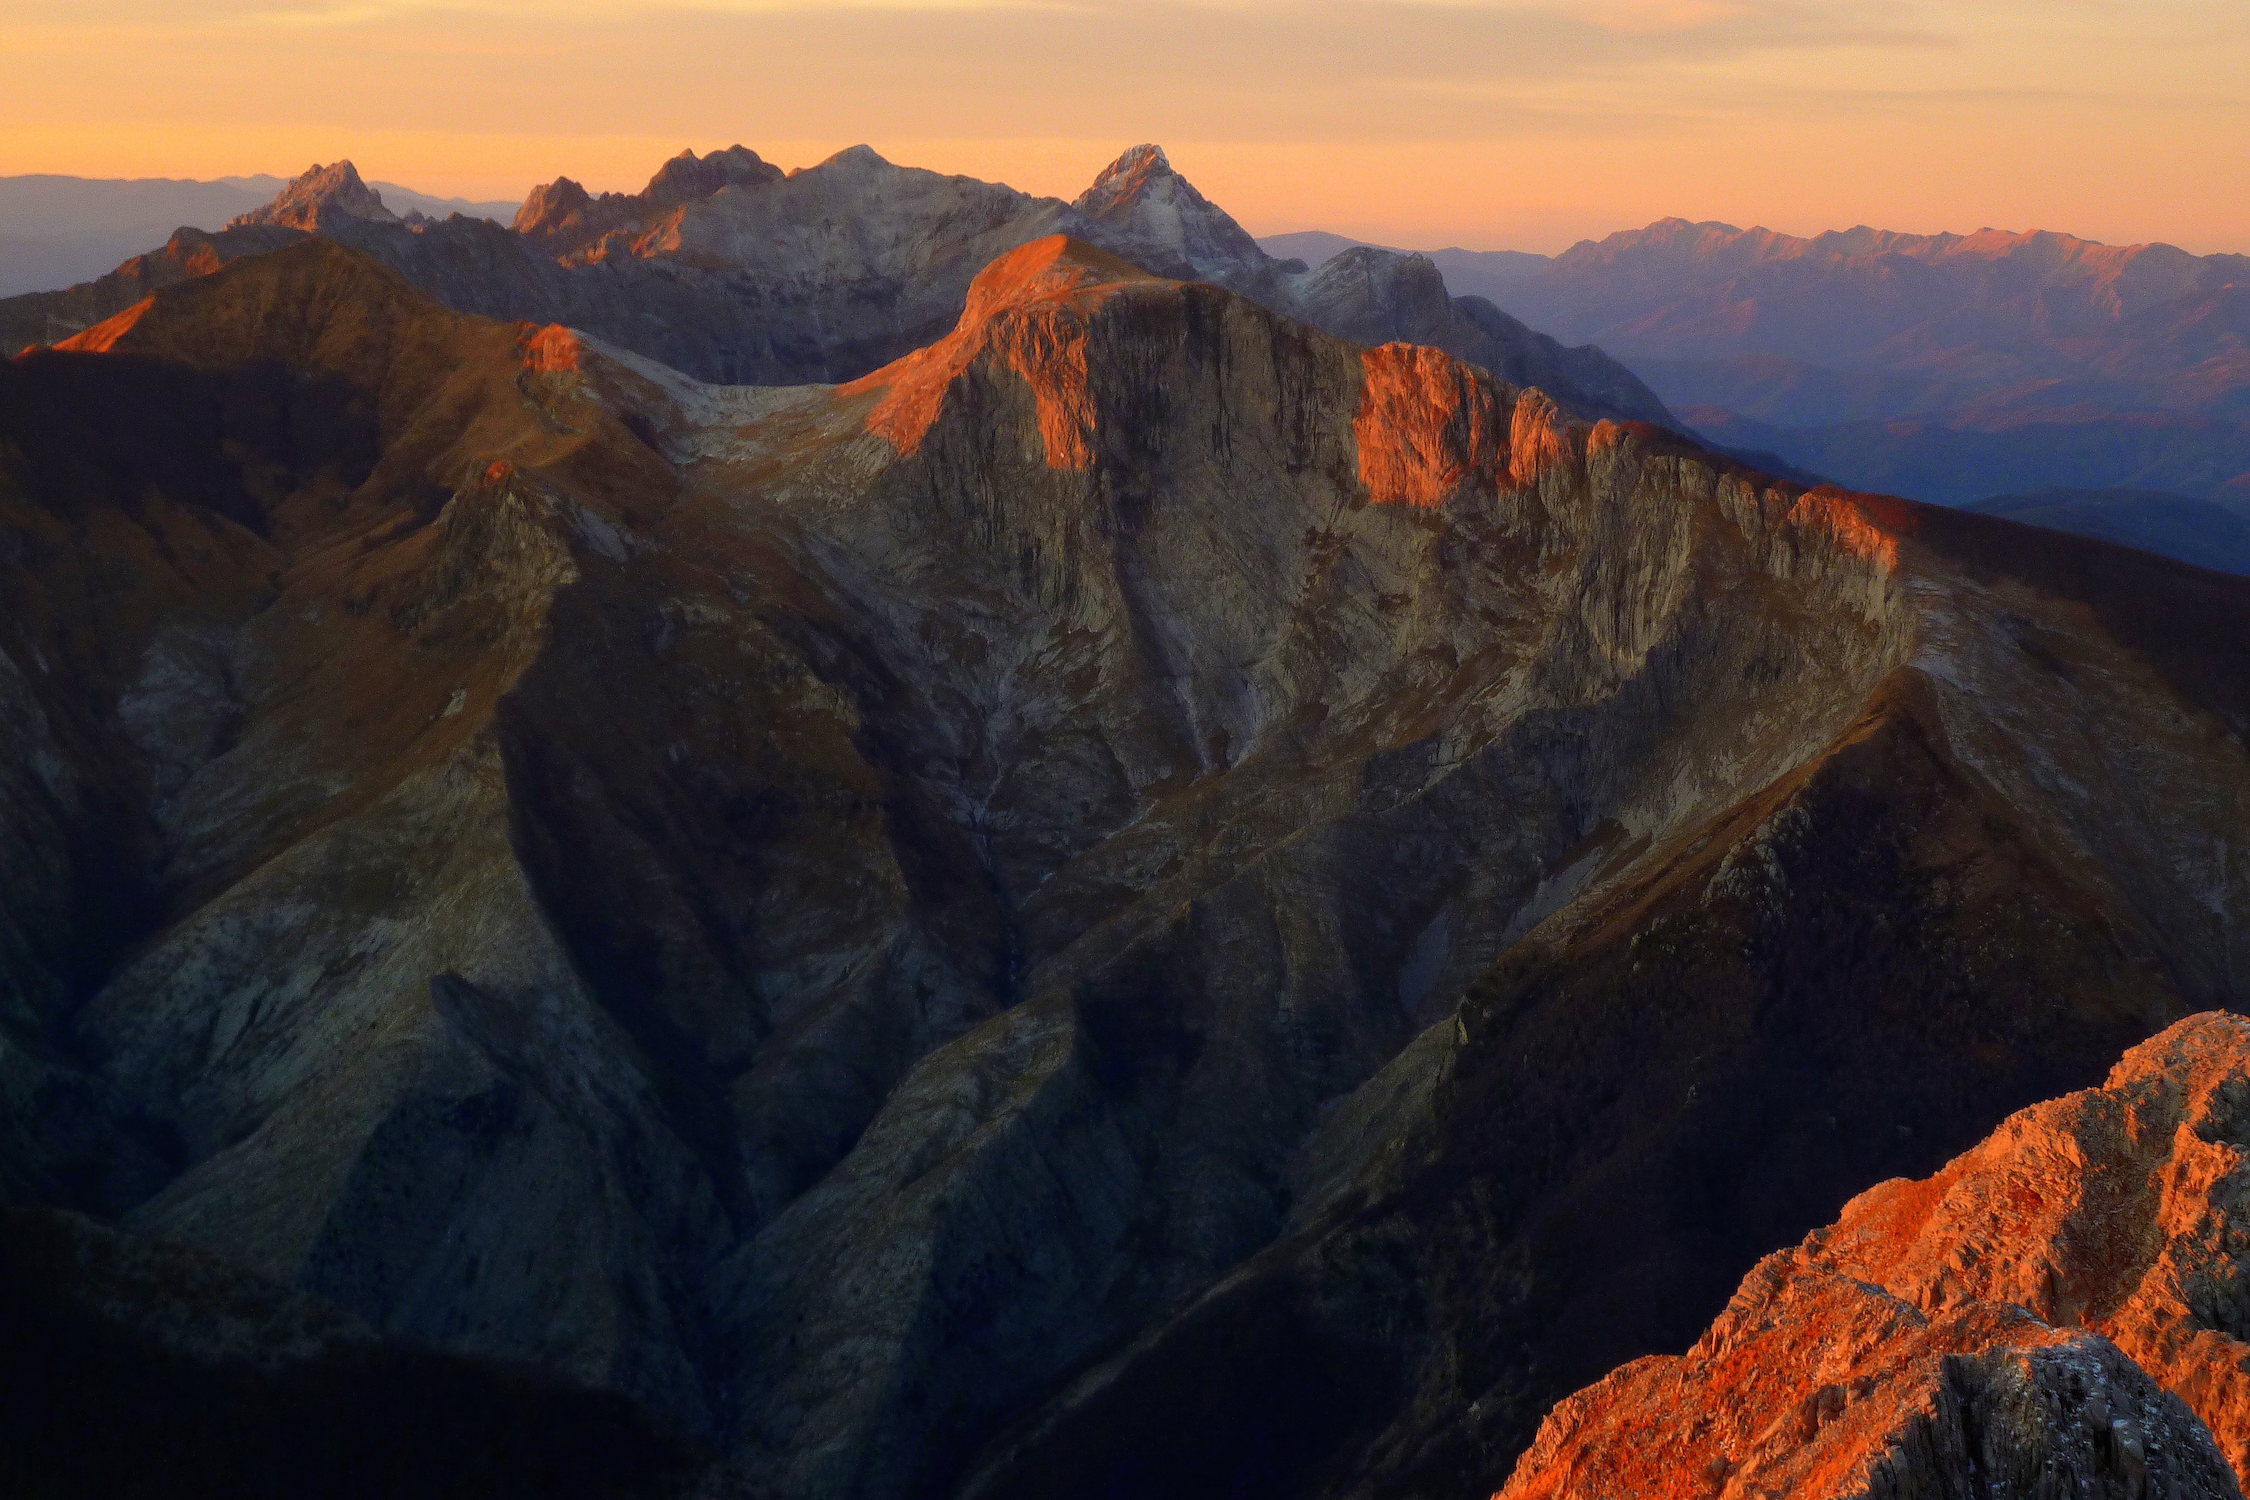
point(56, 231)
point(1947, 367)
point(2203, 532)
point(728, 269)
point(1128, 885)
point(1944, 367)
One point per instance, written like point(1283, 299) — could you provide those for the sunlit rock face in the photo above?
point(1139, 891)
point(321, 197)
point(2060, 1310)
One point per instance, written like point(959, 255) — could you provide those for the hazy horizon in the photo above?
point(1488, 124)
point(1263, 232)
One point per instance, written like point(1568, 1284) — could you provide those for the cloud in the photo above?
point(1246, 70)
point(599, 12)
point(1781, 20)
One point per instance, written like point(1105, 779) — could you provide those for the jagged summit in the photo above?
point(1125, 178)
point(1030, 307)
point(564, 218)
point(687, 177)
point(1150, 214)
point(547, 206)
point(730, 270)
point(316, 195)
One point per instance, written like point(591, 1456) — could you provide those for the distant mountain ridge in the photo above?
point(1630, 284)
point(2204, 532)
point(728, 269)
point(58, 230)
point(1941, 366)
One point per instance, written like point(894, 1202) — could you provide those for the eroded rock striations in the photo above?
point(1143, 896)
point(2059, 1311)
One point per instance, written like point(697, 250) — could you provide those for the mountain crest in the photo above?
point(862, 157)
point(550, 205)
point(319, 195)
point(1154, 217)
point(567, 219)
point(1030, 309)
point(1125, 179)
point(687, 177)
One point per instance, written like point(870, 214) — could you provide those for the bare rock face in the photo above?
point(1141, 895)
point(687, 177)
point(321, 196)
point(563, 220)
point(1143, 210)
point(2060, 1311)
point(553, 208)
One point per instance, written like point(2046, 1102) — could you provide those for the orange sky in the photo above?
point(1491, 123)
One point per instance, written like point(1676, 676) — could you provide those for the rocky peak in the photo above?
point(852, 158)
point(687, 177)
point(565, 218)
point(321, 194)
point(2067, 1297)
point(547, 207)
point(1046, 271)
point(1154, 217)
point(1396, 294)
point(1030, 308)
point(1125, 180)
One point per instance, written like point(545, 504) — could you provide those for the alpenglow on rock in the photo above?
point(2063, 1310)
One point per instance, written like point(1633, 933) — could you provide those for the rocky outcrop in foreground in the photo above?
point(2061, 1311)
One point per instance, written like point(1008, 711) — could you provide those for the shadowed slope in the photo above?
point(2202, 532)
point(149, 1370)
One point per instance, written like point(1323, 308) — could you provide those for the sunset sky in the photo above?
point(1490, 123)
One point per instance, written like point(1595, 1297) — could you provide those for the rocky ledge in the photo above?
point(2060, 1311)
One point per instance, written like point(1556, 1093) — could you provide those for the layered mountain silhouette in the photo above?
point(2203, 532)
point(57, 231)
point(1140, 898)
point(1947, 367)
point(730, 270)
